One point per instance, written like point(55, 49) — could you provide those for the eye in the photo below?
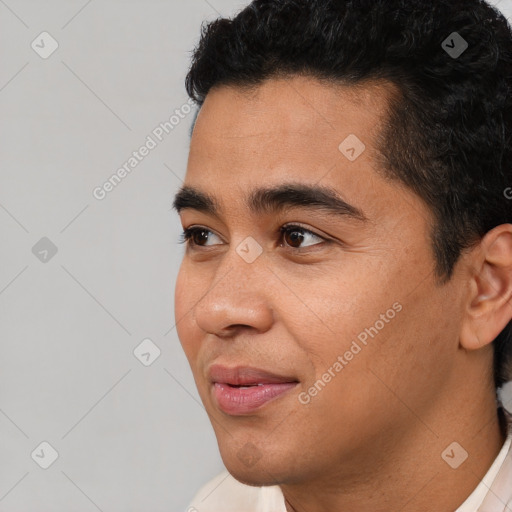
point(295, 235)
point(193, 236)
point(292, 235)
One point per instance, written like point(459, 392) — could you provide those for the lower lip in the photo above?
point(237, 401)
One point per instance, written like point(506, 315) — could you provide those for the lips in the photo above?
point(245, 376)
point(242, 389)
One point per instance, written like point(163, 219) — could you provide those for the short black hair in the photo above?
point(448, 132)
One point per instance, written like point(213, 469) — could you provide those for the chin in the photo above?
point(256, 477)
point(251, 467)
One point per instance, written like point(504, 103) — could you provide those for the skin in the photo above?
point(372, 438)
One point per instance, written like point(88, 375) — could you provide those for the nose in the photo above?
point(239, 297)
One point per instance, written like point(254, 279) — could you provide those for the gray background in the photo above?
point(129, 437)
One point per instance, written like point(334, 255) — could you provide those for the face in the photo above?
point(303, 323)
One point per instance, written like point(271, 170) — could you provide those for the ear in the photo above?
point(489, 306)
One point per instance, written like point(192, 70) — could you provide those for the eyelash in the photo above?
point(187, 235)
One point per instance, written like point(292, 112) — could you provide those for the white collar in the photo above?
point(476, 498)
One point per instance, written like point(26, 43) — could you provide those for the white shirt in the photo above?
point(226, 494)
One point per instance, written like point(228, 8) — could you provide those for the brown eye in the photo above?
point(294, 236)
point(197, 237)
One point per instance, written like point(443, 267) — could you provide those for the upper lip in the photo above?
point(245, 376)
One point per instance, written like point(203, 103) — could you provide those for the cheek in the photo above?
point(345, 306)
point(376, 321)
point(185, 296)
point(181, 295)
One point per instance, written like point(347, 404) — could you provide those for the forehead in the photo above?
point(292, 105)
point(284, 123)
point(285, 130)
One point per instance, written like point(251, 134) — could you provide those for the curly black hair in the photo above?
point(448, 132)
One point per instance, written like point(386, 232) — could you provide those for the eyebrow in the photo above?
point(273, 200)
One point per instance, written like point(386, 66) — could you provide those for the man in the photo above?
point(345, 295)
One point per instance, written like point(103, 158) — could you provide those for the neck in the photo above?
point(411, 474)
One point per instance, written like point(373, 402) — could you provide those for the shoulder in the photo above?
point(226, 494)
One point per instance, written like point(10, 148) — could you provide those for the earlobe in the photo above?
point(489, 307)
point(469, 338)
